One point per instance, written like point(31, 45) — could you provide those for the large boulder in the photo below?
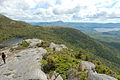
point(33, 42)
point(72, 75)
point(59, 78)
point(63, 46)
point(55, 76)
point(85, 65)
point(92, 74)
point(95, 76)
point(56, 47)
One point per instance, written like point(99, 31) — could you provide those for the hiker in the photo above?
point(3, 57)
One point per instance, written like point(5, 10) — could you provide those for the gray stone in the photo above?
point(24, 67)
point(6, 51)
point(95, 76)
point(63, 46)
point(85, 65)
point(92, 74)
point(34, 42)
point(56, 76)
point(57, 47)
point(59, 78)
point(12, 22)
point(72, 75)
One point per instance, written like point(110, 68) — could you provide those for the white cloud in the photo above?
point(66, 10)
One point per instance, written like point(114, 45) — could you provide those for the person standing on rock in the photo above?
point(3, 57)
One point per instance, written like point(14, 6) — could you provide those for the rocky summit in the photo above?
point(23, 63)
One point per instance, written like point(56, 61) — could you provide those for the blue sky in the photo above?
point(103, 11)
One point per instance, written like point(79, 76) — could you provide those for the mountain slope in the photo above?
point(106, 32)
point(69, 36)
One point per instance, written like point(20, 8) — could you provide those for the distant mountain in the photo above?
point(88, 28)
point(69, 36)
point(77, 24)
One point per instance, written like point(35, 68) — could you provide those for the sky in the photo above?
point(101, 11)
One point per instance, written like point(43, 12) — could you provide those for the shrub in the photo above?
point(78, 55)
point(118, 77)
point(100, 68)
point(83, 55)
point(11, 49)
point(59, 63)
point(87, 58)
point(38, 44)
point(25, 44)
point(82, 75)
point(43, 44)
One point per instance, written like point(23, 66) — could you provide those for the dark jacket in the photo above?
point(3, 55)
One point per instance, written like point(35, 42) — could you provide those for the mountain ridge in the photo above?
point(69, 36)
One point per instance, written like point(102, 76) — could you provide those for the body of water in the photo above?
point(106, 29)
point(11, 42)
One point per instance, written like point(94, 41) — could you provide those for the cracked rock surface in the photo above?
point(23, 65)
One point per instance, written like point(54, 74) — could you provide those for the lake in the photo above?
point(106, 29)
point(10, 42)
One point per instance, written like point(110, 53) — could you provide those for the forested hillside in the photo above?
point(69, 36)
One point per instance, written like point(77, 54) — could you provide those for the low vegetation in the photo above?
point(68, 61)
point(118, 77)
point(61, 62)
point(43, 44)
point(24, 44)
